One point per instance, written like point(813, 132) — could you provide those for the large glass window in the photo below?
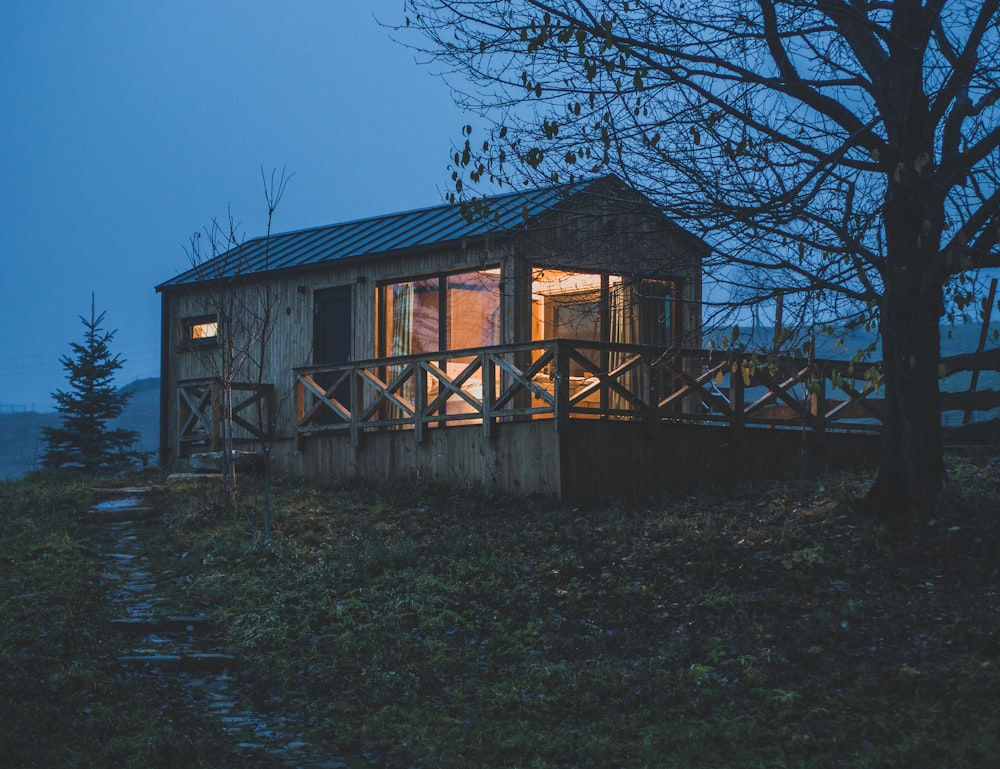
point(601, 308)
point(658, 305)
point(446, 312)
point(572, 305)
point(411, 317)
point(473, 309)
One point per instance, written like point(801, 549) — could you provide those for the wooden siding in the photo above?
point(589, 459)
point(520, 459)
point(610, 236)
point(292, 333)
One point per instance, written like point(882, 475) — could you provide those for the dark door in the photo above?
point(332, 328)
point(332, 334)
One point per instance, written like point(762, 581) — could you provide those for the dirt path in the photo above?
point(186, 651)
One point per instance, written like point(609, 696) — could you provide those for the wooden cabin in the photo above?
point(507, 344)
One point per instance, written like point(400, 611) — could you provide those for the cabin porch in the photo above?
point(564, 417)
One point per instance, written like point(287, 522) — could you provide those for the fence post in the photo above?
point(419, 400)
point(355, 408)
point(983, 333)
point(487, 372)
point(561, 385)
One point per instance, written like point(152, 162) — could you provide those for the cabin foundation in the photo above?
point(588, 460)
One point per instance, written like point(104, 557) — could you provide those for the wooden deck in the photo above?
point(534, 381)
point(631, 383)
point(580, 419)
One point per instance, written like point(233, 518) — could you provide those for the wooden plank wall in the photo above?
point(520, 459)
point(292, 335)
point(589, 459)
point(603, 459)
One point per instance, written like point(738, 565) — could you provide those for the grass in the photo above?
point(769, 626)
point(63, 700)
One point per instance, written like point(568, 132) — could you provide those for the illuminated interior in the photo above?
point(208, 330)
point(462, 311)
point(581, 305)
point(446, 312)
point(201, 331)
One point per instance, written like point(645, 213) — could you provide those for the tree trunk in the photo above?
point(228, 462)
point(267, 496)
point(911, 469)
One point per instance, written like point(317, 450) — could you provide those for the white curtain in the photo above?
point(402, 319)
point(623, 321)
point(402, 338)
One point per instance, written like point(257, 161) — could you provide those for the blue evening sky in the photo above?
point(128, 125)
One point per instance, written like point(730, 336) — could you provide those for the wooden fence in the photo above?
point(200, 412)
point(562, 379)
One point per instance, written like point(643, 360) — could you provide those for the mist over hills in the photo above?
point(955, 339)
point(21, 442)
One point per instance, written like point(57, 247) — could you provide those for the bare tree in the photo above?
point(243, 305)
point(842, 154)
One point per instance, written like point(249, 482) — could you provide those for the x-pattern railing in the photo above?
point(534, 380)
point(554, 379)
point(200, 411)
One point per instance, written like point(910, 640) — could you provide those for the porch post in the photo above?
point(419, 400)
point(355, 408)
point(736, 396)
point(560, 388)
point(650, 395)
point(515, 314)
point(300, 411)
point(817, 400)
point(487, 370)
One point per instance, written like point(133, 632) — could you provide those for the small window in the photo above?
point(202, 331)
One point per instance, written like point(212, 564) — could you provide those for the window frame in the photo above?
point(443, 310)
point(188, 340)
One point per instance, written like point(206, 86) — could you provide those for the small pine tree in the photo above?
point(82, 439)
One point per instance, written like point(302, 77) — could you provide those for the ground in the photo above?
point(770, 625)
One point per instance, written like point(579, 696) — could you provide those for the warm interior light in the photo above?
point(208, 330)
point(548, 282)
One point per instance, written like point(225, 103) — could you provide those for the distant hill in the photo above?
point(957, 339)
point(21, 441)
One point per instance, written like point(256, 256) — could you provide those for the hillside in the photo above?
point(21, 434)
point(768, 625)
point(955, 340)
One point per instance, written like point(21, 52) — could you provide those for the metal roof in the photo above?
point(383, 235)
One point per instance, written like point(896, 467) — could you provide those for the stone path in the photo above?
point(185, 650)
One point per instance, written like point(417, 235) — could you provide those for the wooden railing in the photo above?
point(200, 412)
point(970, 406)
point(563, 379)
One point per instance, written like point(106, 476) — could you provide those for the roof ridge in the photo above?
point(423, 209)
point(383, 234)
